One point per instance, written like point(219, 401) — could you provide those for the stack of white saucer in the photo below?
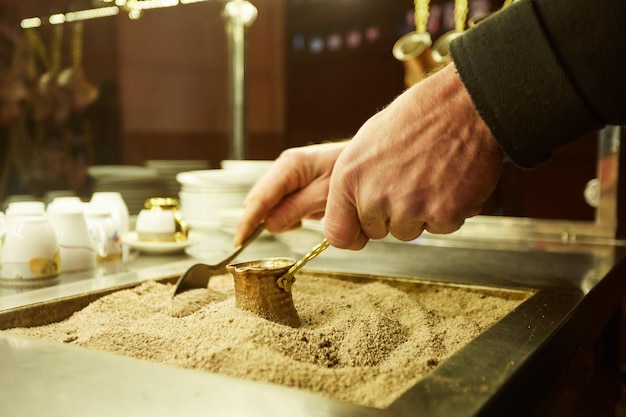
point(134, 182)
point(204, 194)
point(253, 168)
point(168, 169)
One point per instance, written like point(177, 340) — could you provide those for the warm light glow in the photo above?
point(92, 13)
point(57, 19)
point(242, 11)
point(31, 22)
point(134, 8)
point(134, 14)
point(150, 4)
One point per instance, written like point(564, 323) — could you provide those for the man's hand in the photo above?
point(426, 162)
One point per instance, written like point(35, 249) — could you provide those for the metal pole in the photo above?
point(239, 15)
point(607, 176)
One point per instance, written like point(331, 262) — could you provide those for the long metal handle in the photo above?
point(286, 281)
point(259, 229)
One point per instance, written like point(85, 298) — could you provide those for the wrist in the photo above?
point(480, 129)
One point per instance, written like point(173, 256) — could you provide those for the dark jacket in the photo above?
point(543, 73)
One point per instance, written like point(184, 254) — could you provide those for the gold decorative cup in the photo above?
point(160, 221)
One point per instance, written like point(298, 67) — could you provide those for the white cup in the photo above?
point(119, 211)
point(78, 250)
point(160, 221)
point(26, 208)
point(30, 250)
point(155, 225)
point(2, 225)
point(67, 201)
point(104, 231)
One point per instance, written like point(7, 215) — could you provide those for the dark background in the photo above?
point(327, 92)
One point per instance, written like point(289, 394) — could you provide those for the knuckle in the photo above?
point(407, 233)
point(291, 156)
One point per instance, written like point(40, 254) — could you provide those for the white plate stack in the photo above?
point(205, 193)
point(254, 168)
point(135, 183)
point(168, 169)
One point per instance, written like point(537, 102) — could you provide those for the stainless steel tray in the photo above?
point(57, 310)
point(527, 349)
point(42, 313)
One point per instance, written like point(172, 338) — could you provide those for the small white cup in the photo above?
point(26, 208)
point(30, 250)
point(78, 251)
point(104, 231)
point(119, 211)
point(155, 225)
point(161, 222)
point(3, 221)
point(66, 201)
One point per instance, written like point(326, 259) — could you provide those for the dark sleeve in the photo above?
point(543, 73)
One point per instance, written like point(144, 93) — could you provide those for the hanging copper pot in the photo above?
point(73, 79)
point(413, 50)
point(51, 103)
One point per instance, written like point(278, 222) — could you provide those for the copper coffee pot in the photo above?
point(414, 48)
point(51, 102)
point(73, 79)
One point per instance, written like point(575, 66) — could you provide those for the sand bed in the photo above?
point(362, 342)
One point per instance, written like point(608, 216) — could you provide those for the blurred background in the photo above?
point(124, 91)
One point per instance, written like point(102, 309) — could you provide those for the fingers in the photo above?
point(350, 224)
point(316, 216)
point(409, 221)
point(310, 201)
point(286, 214)
point(257, 204)
point(263, 196)
point(342, 228)
point(406, 230)
point(443, 228)
point(373, 213)
point(296, 186)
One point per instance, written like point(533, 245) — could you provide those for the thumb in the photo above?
point(341, 224)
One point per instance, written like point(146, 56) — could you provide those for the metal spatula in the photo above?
point(198, 275)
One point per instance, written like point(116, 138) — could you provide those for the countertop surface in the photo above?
point(576, 287)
